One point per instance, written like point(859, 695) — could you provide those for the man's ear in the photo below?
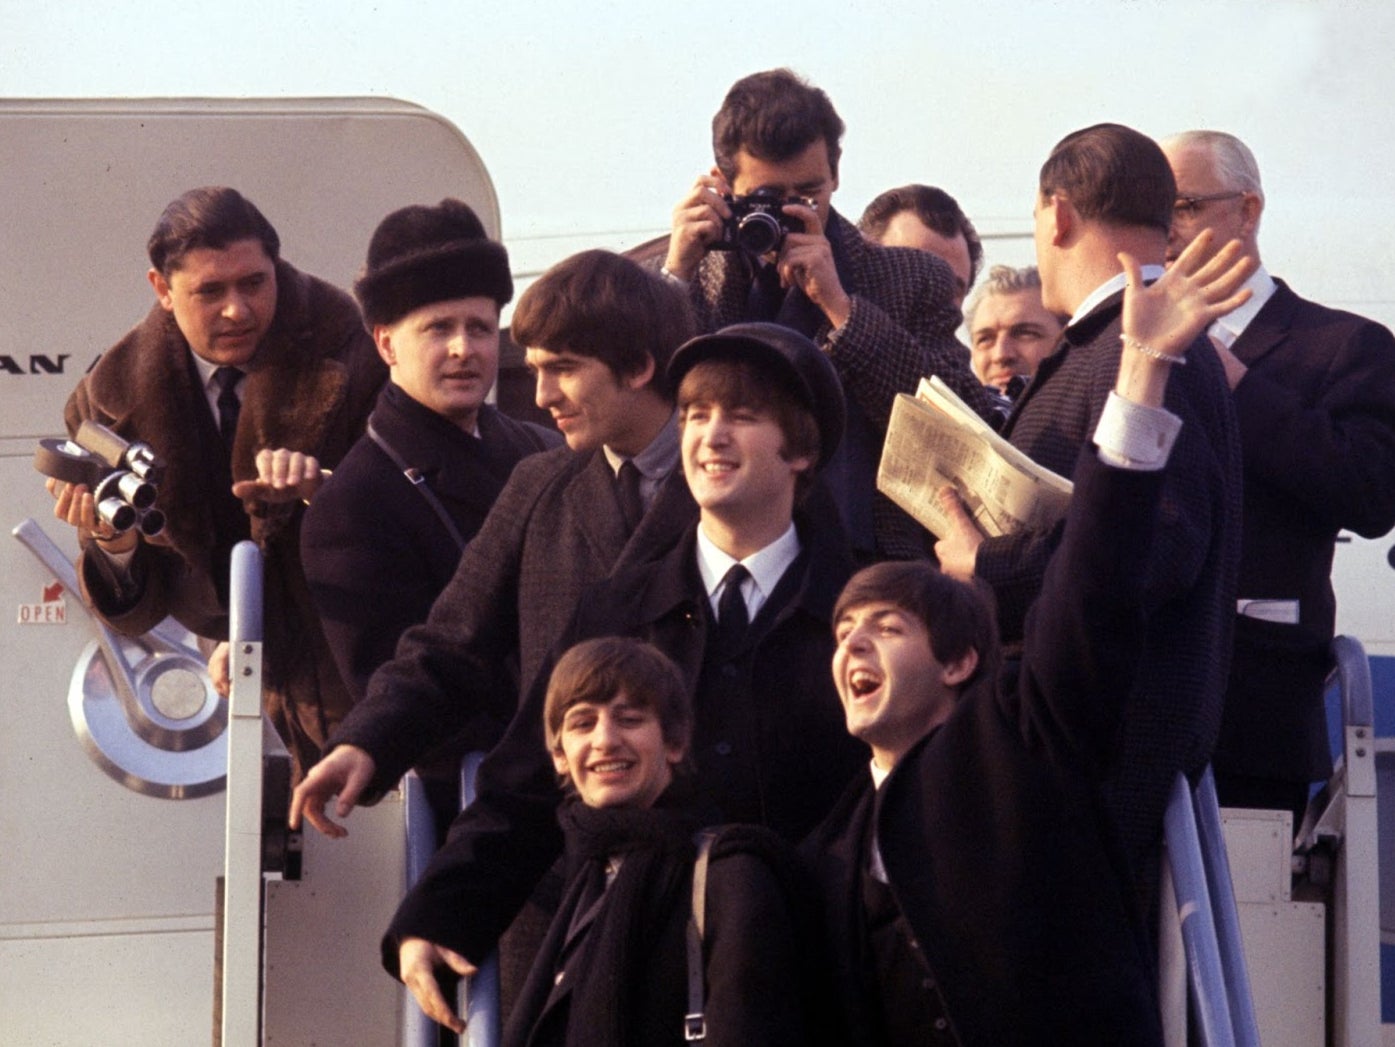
point(162, 289)
point(1063, 219)
point(674, 752)
point(559, 762)
point(959, 670)
point(642, 377)
point(382, 338)
point(1251, 207)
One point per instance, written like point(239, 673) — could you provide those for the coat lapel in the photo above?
point(1269, 328)
point(590, 504)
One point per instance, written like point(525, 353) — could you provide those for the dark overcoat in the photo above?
point(376, 553)
point(769, 742)
point(1171, 716)
point(1317, 424)
point(996, 843)
point(556, 528)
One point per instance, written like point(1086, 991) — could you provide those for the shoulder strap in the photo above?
point(695, 1021)
point(418, 481)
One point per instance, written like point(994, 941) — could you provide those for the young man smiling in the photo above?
point(975, 891)
point(613, 969)
point(741, 604)
point(599, 331)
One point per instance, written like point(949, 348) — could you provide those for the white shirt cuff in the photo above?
point(1132, 436)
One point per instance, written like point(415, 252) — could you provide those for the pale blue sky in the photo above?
point(595, 117)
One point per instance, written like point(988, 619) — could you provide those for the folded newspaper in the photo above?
point(934, 439)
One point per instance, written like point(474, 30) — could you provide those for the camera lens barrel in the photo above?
point(117, 514)
point(759, 232)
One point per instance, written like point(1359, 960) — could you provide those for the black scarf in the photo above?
point(656, 849)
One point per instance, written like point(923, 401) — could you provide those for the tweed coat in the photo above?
point(309, 388)
point(376, 554)
point(1173, 712)
point(901, 329)
point(997, 847)
point(555, 528)
point(769, 741)
point(1317, 425)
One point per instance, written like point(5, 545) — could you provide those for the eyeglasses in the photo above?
point(1191, 206)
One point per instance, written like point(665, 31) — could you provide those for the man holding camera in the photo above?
point(245, 377)
point(756, 238)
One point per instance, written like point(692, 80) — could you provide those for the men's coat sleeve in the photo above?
point(446, 669)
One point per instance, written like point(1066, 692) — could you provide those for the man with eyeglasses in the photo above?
point(1314, 391)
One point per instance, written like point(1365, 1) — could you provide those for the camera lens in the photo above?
point(120, 516)
point(759, 232)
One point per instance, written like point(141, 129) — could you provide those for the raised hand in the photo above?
point(1167, 315)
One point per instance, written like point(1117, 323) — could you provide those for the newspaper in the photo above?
point(934, 439)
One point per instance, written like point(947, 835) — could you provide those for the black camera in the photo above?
point(123, 476)
point(757, 224)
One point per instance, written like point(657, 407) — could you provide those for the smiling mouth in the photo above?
point(717, 467)
point(862, 682)
point(612, 767)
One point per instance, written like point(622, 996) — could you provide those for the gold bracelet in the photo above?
point(1147, 350)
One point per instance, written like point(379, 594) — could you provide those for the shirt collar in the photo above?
point(1231, 326)
point(1109, 287)
point(879, 774)
point(205, 369)
point(657, 460)
point(767, 567)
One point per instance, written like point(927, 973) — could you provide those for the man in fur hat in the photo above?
point(246, 376)
point(385, 534)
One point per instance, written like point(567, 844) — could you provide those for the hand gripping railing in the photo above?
point(480, 994)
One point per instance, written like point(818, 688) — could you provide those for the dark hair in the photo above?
point(935, 208)
point(1112, 174)
point(959, 617)
point(599, 670)
point(598, 303)
point(733, 382)
point(214, 217)
point(773, 116)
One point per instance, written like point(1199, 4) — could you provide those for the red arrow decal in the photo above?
point(53, 592)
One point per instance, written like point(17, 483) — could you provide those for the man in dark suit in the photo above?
point(973, 889)
point(1314, 390)
point(886, 317)
point(245, 377)
point(1104, 190)
point(599, 331)
point(385, 534)
point(742, 605)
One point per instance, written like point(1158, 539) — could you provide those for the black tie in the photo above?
point(631, 503)
point(228, 404)
point(732, 617)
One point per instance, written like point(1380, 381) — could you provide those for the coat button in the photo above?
point(558, 980)
point(941, 1024)
point(723, 748)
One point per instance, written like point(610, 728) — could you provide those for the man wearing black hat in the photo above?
point(246, 377)
point(742, 604)
point(385, 534)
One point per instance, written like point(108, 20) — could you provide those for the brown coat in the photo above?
point(309, 388)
